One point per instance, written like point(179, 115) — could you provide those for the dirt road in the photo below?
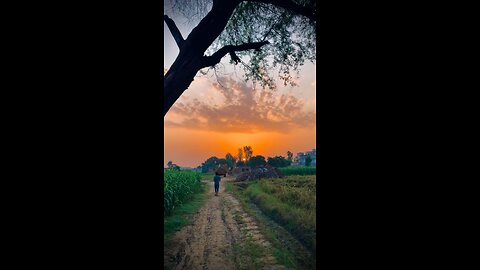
point(221, 237)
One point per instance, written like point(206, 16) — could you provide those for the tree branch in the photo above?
point(174, 30)
point(307, 11)
point(231, 49)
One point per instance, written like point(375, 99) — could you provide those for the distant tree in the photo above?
point(230, 160)
point(240, 155)
point(257, 161)
point(169, 164)
point(248, 151)
point(210, 163)
point(289, 156)
point(278, 162)
point(272, 161)
point(308, 161)
point(240, 163)
point(222, 161)
point(212, 160)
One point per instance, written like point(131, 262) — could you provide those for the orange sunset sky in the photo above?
point(219, 114)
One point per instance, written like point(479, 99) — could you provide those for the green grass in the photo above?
point(207, 176)
point(284, 248)
point(182, 215)
point(297, 191)
point(284, 257)
point(291, 202)
point(248, 255)
point(228, 187)
point(299, 170)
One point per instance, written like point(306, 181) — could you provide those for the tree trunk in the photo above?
point(178, 79)
point(190, 59)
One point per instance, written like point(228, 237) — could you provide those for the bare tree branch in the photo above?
point(307, 11)
point(231, 49)
point(174, 30)
point(234, 57)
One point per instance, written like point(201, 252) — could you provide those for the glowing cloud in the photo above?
point(236, 107)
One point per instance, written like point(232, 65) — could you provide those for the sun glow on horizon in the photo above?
point(189, 148)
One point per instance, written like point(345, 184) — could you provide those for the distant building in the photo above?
point(301, 157)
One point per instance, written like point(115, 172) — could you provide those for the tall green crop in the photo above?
point(299, 170)
point(178, 187)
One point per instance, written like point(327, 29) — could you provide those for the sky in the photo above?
point(217, 115)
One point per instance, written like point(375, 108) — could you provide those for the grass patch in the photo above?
point(248, 255)
point(284, 248)
point(181, 216)
point(296, 191)
point(207, 176)
point(229, 187)
point(291, 202)
point(285, 258)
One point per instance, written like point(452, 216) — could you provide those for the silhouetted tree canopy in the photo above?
point(248, 152)
point(210, 163)
point(262, 36)
point(278, 162)
point(257, 161)
point(230, 160)
point(221, 161)
point(289, 156)
point(240, 163)
point(308, 161)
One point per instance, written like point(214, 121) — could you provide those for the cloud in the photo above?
point(242, 109)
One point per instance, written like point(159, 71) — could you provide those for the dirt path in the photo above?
point(215, 240)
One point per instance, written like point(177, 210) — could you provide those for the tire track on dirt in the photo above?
point(208, 242)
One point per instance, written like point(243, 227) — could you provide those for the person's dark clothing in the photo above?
point(216, 180)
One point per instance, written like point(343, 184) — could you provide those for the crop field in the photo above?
point(178, 187)
point(291, 202)
point(299, 170)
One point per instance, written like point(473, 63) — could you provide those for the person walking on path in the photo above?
point(216, 180)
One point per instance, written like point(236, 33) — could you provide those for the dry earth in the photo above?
point(208, 243)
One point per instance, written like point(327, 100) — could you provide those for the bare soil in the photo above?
point(219, 226)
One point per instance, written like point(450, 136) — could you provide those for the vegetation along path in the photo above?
point(221, 236)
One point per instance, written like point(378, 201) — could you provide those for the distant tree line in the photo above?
point(245, 157)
